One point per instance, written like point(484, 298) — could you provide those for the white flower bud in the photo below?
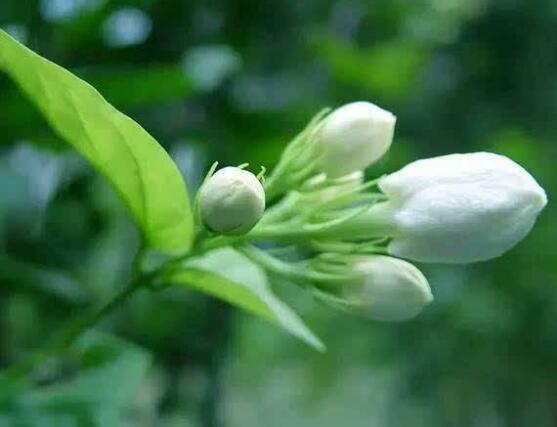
point(390, 290)
point(353, 137)
point(232, 201)
point(459, 208)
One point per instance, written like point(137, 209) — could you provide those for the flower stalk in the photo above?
point(66, 337)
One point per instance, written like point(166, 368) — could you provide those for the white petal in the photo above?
point(474, 168)
point(463, 223)
point(461, 208)
point(393, 289)
point(353, 137)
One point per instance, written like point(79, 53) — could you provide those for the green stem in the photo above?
point(292, 230)
point(138, 281)
point(299, 273)
point(272, 264)
point(281, 179)
point(280, 182)
point(67, 336)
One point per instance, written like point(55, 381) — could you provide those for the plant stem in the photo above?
point(65, 337)
point(271, 264)
point(301, 273)
point(138, 281)
point(276, 184)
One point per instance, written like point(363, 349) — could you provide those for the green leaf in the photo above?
point(124, 88)
point(139, 169)
point(110, 373)
point(228, 275)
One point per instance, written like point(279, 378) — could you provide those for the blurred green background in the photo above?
point(233, 81)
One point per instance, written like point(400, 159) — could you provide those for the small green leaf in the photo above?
point(230, 276)
point(139, 169)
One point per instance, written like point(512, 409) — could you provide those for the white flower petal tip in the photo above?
point(353, 137)
point(460, 208)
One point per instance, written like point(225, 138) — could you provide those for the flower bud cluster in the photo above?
point(458, 208)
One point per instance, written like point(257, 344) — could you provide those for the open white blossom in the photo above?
point(390, 289)
point(459, 208)
point(353, 137)
point(232, 201)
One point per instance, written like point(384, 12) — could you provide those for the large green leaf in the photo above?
point(228, 275)
point(140, 170)
point(109, 376)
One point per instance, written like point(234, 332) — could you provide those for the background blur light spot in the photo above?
point(208, 66)
point(126, 27)
point(42, 170)
point(62, 10)
point(17, 31)
point(275, 92)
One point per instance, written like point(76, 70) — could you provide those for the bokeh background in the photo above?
point(233, 81)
